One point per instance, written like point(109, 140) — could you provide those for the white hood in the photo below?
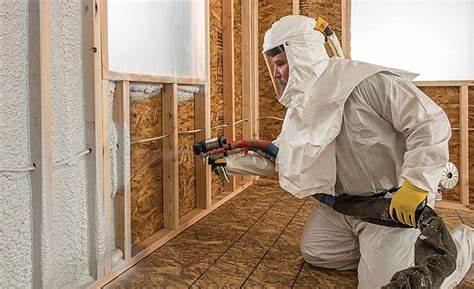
point(305, 52)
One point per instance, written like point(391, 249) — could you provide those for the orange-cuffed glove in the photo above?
point(404, 205)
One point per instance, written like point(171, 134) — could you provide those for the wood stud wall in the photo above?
point(166, 189)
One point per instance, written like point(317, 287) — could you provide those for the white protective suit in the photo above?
point(354, 128)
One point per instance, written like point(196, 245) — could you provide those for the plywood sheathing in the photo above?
point(217, 98)
point(448, 99)
point(146, 164)
point(186, 165)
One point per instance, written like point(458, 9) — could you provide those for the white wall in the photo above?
point(432, 37)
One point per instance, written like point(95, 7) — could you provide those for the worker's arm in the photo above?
point(250, 164)
point(420, 121)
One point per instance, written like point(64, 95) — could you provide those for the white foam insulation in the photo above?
point(65, 248)
point(15, 189)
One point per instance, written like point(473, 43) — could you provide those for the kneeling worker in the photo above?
point(354, 128)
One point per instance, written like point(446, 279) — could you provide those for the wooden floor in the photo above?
point(251, 241)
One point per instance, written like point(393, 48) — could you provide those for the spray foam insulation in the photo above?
point(15, 210)
point(448, 99)
point(146, 162)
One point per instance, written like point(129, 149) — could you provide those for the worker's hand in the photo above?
point(215, 163)
point(405, 203)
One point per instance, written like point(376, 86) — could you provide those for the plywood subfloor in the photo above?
point(252, 241)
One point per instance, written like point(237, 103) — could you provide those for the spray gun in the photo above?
point(216, 149)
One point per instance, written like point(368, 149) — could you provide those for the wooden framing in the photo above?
point(346, 27)
point(41, 141)
point(296, 7)
point(121, 118)
point(202, 119)
point(118, 76)
point(228, 77)
point(94, 134)
point(464, 137)
point(173, 224)
point(249, 51)
point(108, 202)
point(170, 157)
point(254, 53)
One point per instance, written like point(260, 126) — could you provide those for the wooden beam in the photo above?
point(246, 46)
point(170, 156)
point(119, 76)
point(40, 138)
point(202, 119)
point(228, 77)
point(296, 7)
point(108, 202)
point(444, 83)
point(93, 110)
point(346, 28)
point(464, 139)
point(255, 70)
point(104, 35)
point(121, 118)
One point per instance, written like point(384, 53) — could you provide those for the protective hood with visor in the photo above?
point(294, 53)
point(315, 93)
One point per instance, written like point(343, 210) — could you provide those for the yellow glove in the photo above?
point(405, 203)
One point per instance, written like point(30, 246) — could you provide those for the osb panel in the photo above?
point(269, 12)
point(216, 54)
point(454, 151)
point(448, 98)
point(146, 168)
point(186, 165)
